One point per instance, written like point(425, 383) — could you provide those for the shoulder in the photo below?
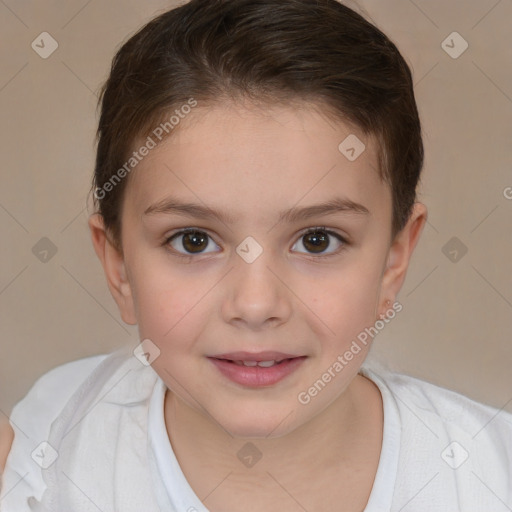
point(52, 390)
point(34, 413)
point(428, 401)
point(461, 444)
point(450, 408)
point(49, 394)
point(448, 431)
point(31, 419)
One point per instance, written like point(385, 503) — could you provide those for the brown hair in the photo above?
point(274, 51)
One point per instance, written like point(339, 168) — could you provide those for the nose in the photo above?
point(256, 296)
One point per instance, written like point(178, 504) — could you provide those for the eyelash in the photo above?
point(307, 231)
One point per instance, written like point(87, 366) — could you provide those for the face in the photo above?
point(297, 259)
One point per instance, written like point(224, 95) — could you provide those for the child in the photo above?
point(255, 185)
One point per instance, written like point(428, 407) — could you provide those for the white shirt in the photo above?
point(441, 451)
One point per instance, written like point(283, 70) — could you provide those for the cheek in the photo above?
point(166, 302)
point(344, 301)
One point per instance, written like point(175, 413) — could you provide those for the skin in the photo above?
point(252, 163)
point(6, 438)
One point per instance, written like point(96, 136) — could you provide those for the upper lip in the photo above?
point(266, 355)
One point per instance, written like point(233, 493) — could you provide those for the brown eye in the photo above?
point(190, 242)
point(318, 240)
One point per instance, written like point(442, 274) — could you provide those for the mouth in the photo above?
point(261, 364)
point(256, 370)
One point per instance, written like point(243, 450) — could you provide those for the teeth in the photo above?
point(266, 364)
point(263, 364)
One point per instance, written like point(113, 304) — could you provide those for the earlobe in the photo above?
point(114, 267)
point(399, 254)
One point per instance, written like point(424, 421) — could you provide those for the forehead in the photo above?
point(254, 158)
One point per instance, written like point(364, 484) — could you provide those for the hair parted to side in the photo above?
point(268, 51)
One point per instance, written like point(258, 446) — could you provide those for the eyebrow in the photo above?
point(172, 205)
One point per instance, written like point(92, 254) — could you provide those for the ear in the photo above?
point(399, 256)
point(114, 266)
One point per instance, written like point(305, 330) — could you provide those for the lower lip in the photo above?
point(257, 376)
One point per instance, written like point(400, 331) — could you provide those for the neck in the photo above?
point(345, 436)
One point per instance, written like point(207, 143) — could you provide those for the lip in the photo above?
point(265, 355)
point(256, 376)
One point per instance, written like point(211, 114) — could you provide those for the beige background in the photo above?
point(456, 323)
